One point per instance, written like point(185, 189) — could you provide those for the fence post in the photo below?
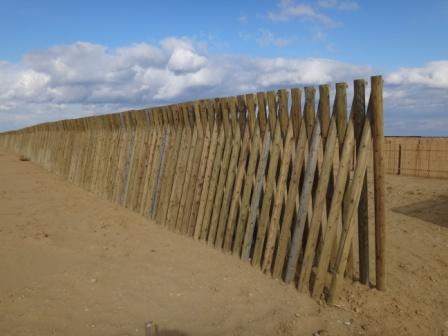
point(379, 181)
point(359, 111)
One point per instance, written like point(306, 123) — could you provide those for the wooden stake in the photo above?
point(335, 211)
point(379, 180)
point(305, 198)
point(291, 202)
point(256, 195)
point(358, 115)
point(321, 193)
point(354, 193)
point(267, 197)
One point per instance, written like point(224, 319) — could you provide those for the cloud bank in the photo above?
point(85, 79)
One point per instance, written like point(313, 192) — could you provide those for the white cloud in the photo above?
point(339, 4)
point(185, 60)
point(83, 79)
point(288, 9)
point(140, 54)
point(433, 74)
point(417, 99)
point(267, 38)
point(280, 71)
point(30, 84)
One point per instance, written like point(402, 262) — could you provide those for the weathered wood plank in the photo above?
point(352, 206)
point(206, 182)
point(283, 111)
point(255, 202)
point(291, 202)
point(318, 210)
point(305, 198)
point(335, 211)
point(190, 177)
point(194, 229)
point(229, 190)
point(237, 190)
point(261, 100)
point(274, 225)
point(377, 117)
point(272, 107)
point(247, 191)
point(296, 111)
point(213, 184)
point(358, 115)
point(267, 197)
point(224, 168)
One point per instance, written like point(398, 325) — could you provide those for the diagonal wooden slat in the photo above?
point(256, 195)
point(348, 224)
point(285, 231)
point(247, 191)
point(335, 211)
point(318, 210)
point(267, 197)
point(274, 225)
point(238, 189)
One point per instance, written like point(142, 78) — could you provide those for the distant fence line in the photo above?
point(251, 175)
point(417, 156)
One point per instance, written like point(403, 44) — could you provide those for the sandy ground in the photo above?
point(71, 264)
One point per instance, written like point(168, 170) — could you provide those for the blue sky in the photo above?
point(63, 59)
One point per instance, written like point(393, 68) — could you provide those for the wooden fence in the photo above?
point(416, 156)
point(252, 175)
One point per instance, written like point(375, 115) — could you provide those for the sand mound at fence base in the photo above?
point(75, 265)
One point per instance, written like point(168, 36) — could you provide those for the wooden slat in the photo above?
point(340, 108)
point(242, 112)
point(323, 110)
point(153, 152)
point(348, 224)
point(319, 202)
point(261, 101)
point(190, 177)
point(213, 184)
point(296, 111)
point(206, 182)
point(308, 113)
point(272, 106)
point(170, 167)
point(229, 191)
point(305, 198)
point(142, 170)
point(236, 197)
point(267, 197)
point(285, 231)
point(179, 177)
point(251, 117)
point(283, 111)
point(247, 191)
point(379, 182)
point(274, 225)
point(358, 115)
point(224, 167)
point(194, 229)
point(256, 195)
point(335, 211)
